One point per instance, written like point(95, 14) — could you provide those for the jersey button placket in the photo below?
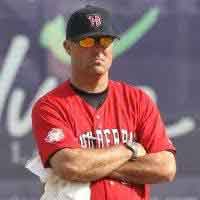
point(97, 121)
point(97, 117)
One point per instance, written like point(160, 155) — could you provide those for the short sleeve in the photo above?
point(151, 129)
point(51, 131)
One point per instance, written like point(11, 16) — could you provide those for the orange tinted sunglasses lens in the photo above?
point(87, 42)
point(105, 41)
point(90, 42)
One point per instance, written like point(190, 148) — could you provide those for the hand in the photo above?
point(136, 148)
point(140, 150)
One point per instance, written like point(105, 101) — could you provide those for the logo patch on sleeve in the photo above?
point(54, 135)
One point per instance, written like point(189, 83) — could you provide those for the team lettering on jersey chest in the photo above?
point(102, 138)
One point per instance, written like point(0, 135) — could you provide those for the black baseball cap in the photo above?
point(90, 21)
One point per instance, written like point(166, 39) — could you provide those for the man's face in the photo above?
point(94, 60)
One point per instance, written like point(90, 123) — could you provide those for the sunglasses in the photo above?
point(88, 42)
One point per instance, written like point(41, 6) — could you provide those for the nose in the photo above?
point(97, 47)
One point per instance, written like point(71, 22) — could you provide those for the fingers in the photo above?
point(140, 150)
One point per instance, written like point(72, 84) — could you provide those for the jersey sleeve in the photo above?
point(151, 129)
point(51, 131)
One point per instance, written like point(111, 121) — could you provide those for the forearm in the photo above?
point(85, 165)
point(149, 169)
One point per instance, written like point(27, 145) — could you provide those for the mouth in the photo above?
point(95, 59)
point(98, 58)
point(98, 61)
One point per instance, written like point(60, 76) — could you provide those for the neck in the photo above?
point(91, 84)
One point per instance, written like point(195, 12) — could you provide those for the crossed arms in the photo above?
point(85, 165)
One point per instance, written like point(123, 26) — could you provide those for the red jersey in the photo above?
point(62, 119)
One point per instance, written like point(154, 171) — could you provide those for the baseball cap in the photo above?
point(90, 21)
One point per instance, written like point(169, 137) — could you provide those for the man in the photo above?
point(94, 130)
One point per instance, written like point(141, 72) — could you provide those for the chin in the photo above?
point(99, 69)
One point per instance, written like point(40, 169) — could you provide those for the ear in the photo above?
point(66, 45)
